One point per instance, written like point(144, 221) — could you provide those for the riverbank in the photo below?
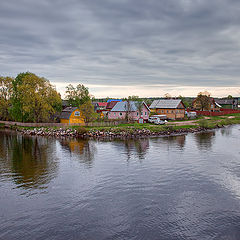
point(134, 130)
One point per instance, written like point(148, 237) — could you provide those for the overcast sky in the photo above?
point(125, 47)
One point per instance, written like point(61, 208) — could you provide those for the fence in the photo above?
point(221, 113)
point(63, 125)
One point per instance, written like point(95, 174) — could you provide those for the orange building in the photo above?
point(71, 115)
point(172, 108)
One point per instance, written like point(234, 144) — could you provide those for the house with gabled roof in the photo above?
point(172, 108)
point(228, 103)
point(131, 110)
point(71, 115)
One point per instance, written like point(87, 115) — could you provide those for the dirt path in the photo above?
point(194, 122)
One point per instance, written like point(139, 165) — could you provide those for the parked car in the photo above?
point(191, 114)
point(157, 120)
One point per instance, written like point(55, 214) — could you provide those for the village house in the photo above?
point(212, 106)
point(111, 104)
point(228, 103)
point(71, 115)
point(124, 110)
point(172, 108)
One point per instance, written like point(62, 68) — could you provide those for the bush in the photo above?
point(203, 124)
point(81, 130)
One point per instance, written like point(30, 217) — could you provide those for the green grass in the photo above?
point(212, 122)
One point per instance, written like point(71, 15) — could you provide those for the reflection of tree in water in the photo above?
point(28, 159)
point(204, 140)
point(226, 131)
point(82, 147)
point(137, 146)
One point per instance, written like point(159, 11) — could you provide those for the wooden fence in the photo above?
point(63, 125)
point(221, 113)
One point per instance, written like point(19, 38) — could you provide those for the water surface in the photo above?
point(182, 187)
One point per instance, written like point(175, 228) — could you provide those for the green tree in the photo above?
point(5, 97)
point(203, 101)
point(185, 101)
point(34, 98)
point(78, 95)
point(16, 109)
point(87, 110)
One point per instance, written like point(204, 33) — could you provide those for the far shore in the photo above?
point(134, 130)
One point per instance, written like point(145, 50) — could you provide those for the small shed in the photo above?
point(71, 115)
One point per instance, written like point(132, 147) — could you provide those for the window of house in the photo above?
point(77, 114)
point(145, 113)
point(167, 111)
point(172, 111)
point(162, 111)
point(114, 114)
point(137, 113)
point(120, 114)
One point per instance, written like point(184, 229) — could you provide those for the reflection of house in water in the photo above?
point(171, 141)
point(132, 147)
point(205, 140)
point(80, 147)
point(27, 160)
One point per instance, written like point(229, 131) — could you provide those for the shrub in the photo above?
point(81, 130)
point(203, 123)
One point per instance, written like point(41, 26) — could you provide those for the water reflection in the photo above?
point(226, 131)
point(205, 140)
point(137, 147)
point(173, 141)
point(82, 149)
point(26, 160)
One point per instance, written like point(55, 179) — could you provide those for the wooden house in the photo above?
point(71, 115)
point(172, 108)
point(228, 103)
point(122, 109)
point(212, 106)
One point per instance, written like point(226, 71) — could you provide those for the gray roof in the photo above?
point(123, 107)
point(225, 101)
point(165, 103)
point(66, 112)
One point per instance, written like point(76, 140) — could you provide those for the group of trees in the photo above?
point(28, 98)
point(80, 97)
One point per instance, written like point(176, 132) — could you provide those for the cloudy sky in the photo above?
point(125, 47)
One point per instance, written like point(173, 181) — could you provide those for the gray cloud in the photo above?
point(125, 42)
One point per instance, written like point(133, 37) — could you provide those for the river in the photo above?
point(181, 187)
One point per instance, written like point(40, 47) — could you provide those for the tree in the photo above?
point(5, 96)
point(230, 97)
point(167, 95)
point(16, 110)
point(203, 101)
point(78, 95)
point(185, 101)
point(87, 110)
point(34, 98)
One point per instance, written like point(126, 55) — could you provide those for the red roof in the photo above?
point(111, 104)
point(102, 104)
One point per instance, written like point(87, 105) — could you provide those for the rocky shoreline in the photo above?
point(128, 133)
